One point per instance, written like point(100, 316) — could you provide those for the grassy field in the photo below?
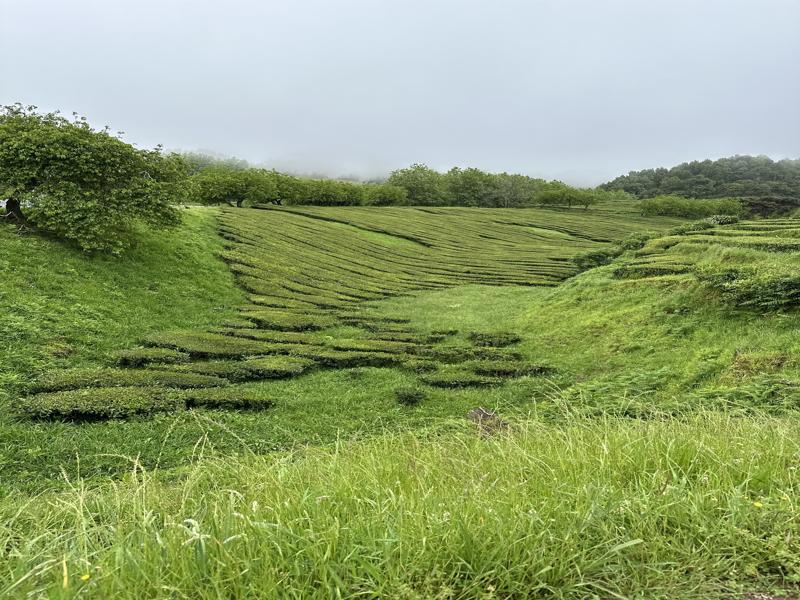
point(652, 402)
point(704, 507)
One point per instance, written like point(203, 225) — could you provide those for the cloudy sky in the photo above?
point(576, 90)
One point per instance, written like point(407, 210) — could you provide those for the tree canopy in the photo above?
point(66, 178)
point(736, 176)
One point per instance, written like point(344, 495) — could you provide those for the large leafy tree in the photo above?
point(423, 185)
point(64, 177)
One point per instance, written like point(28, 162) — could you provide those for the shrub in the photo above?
point(410, 396)
point(232, 397)
point(596, 258)
point(499, 339)
point(508, 368)
point(267, 367)
point(640, 270)
point(635, 241)
point(206, 345)
point(420, 366)
point(678, 206)
point(722, 219)
point(458, 377)
point(105, 377)
point(287, 321)
point(137, 357)
point(755, 288)
point(112, 402)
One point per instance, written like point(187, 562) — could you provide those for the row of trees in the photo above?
point(417, 185)
point(736, 176)
point(64, 177)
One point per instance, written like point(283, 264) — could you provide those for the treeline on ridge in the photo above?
point(764, 184)
point(417, 185)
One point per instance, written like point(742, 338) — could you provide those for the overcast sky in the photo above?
point(576, 90)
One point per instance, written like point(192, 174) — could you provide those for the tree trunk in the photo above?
point(14, 211)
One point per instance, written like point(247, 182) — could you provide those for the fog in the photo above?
point(576, 90)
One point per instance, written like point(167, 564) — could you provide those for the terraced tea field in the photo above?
point(311, 274)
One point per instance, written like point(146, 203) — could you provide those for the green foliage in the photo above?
point(690, 208)
point(70, 379)
point(267, 367)
point(385, 194)
point(736, 176)
point(508, 368)
point(562, 195)
point(410, 396)
point(138, 357)
point(722, 219)
point(84, 185)
point(105, 403)
point(499, 339)
point(227, 398)
point(423, 185)
point(457, 376)
point(235, 187)
point(287, 321)
point(757, 287)
point(200, 161)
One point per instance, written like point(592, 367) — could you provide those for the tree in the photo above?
point(385, 194)
point(472, 187)
point(199, 161)
point(741, 176)
point(82, 184)
point(423, 185)
point(559, 194)
point(218, 185)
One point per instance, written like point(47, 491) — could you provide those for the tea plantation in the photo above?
point(292, 382)
point(309, 274)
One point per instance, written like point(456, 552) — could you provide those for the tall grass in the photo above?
point(599, 508)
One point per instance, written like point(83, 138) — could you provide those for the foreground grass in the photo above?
point(703, 507)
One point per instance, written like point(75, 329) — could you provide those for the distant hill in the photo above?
point(765, 184)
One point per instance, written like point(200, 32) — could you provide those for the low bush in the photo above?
point(754, 288)
point(420, 366)
point(206, 345)
point(458, 377)
point(138, 357)
point(410, 396)
point(508, 368)
point(232, 397)
point(101, 403)
point(596, 258)
point(267, 367)
point(691, 208)
point(640, 270)
point(104, 377)
point(722, 219)
point(499, 339)
point(288, 321)
point(343, 359)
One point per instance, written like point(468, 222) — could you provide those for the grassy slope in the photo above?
point(625, 346)
point(61, 307)
point(317, 407)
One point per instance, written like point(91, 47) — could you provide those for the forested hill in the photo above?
point(736, 176)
